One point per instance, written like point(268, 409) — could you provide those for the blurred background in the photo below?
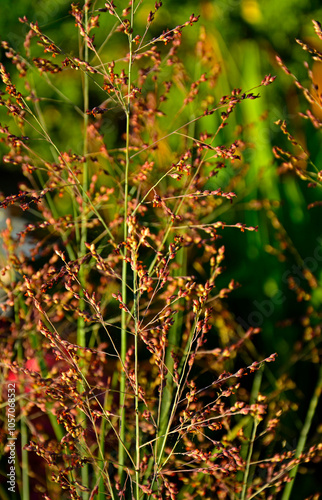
point(243, 37)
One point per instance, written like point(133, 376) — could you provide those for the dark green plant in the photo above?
point(128, 365)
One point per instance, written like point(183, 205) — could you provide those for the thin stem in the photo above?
point(249, 456)
point(56, 153)
point(101, 452)
point(182, 370)
point(81, 340)
point(83, 236)
point(304, 433)
point(25, 462)
point(41, 122)
point(249, 427)
point(124, 265)
point(136, 369)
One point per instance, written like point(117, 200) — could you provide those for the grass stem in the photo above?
point(121, 458)
point(81, 339)
point(304, 434)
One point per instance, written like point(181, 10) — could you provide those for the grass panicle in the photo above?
point(133, 377)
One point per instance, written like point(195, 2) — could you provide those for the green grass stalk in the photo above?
point(136, 369)
point(304, 434)
point(173, 341)
point(250, 424)
point(121, 451)
point(81, 339)
point(82, 249)
point(24, 459)
point(182, 370)
point(249, 457)
point(101, 449)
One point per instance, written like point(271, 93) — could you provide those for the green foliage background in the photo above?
point(244, 36)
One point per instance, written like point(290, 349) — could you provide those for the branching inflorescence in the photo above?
point(129, 391)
